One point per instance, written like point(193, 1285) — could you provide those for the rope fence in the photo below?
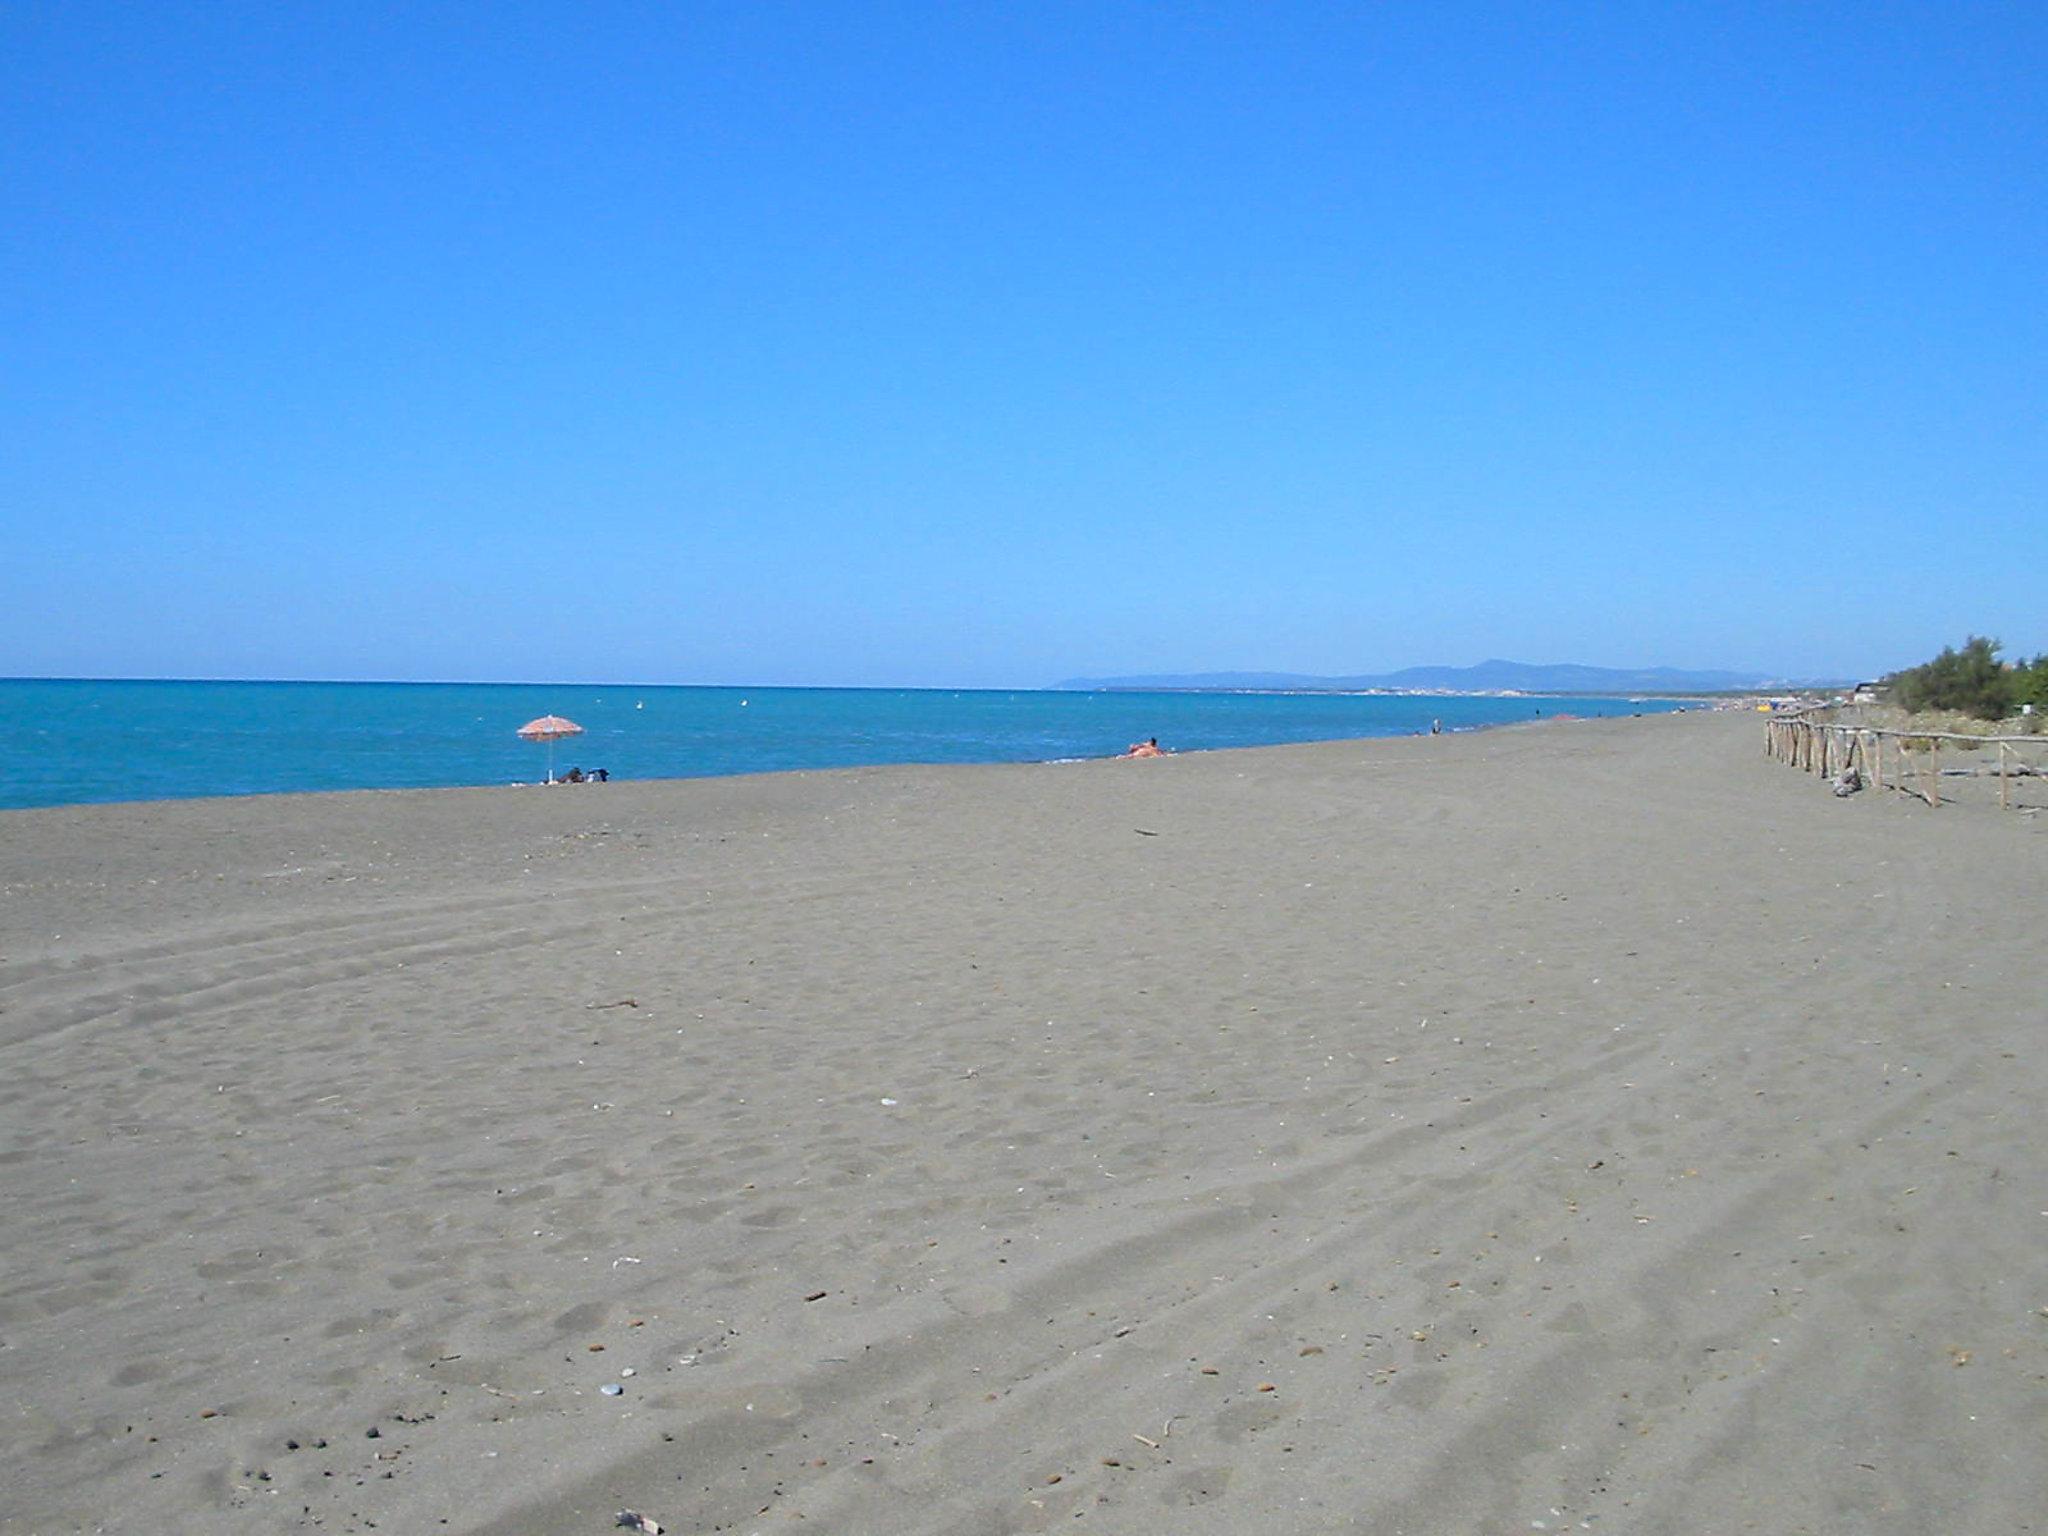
point(1909, 761)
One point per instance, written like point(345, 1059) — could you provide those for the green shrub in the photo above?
point(2030, 684)
point(1971, 681)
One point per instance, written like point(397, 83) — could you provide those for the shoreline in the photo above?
point(1552, 1126)
point(123, 742)
point(1474, 729)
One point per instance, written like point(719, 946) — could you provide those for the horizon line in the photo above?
point(1091, 685)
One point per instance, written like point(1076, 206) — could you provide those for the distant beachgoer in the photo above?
point(1436, 727)
point(602, 775)
point(573, 776)
point(1149, 747)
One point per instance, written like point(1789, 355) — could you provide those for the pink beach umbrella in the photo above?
point(550, 729)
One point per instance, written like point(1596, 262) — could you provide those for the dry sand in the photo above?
point(1585, 1126)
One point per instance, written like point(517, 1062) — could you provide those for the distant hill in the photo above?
point(1487, 677)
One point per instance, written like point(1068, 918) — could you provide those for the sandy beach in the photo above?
point(1588, 1126)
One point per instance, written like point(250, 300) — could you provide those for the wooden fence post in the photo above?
point(1828, 749)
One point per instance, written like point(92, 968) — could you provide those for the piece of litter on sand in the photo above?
point(888, 1103)
point(1146, 1440)
point(646, 1524)
point(612, 1389)
point(624, 1002)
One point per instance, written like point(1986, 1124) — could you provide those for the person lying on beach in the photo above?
point(1149, 747)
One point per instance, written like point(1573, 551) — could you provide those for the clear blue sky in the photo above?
point(970, 344)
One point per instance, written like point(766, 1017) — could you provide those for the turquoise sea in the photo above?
point(70, 742)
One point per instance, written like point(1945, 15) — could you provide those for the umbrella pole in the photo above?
point(551, 759)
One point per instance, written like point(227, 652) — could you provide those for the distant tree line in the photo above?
point(1973, 681)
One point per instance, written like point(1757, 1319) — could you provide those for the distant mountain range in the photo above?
point(1487, 677)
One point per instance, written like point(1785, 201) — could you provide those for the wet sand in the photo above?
point(1586, 1126)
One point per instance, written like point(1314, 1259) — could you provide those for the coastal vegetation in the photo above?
point(1972, 681)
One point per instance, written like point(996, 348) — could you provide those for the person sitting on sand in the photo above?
point(1149, 747)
